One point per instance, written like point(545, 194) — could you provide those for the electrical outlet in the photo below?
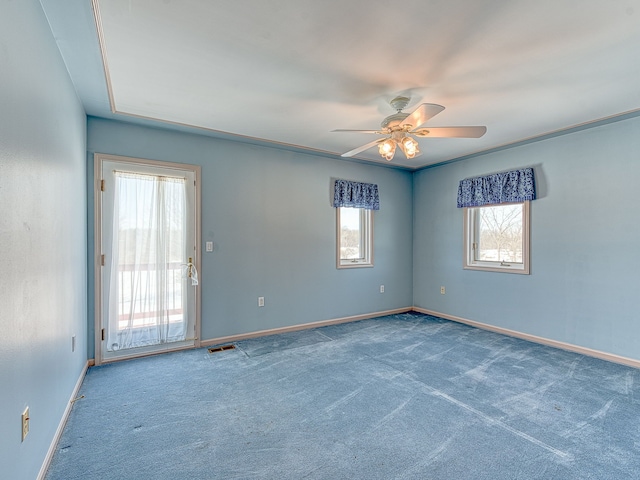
point(261, 301)
point(381, 288)
point(442, 291)
point(25, 423)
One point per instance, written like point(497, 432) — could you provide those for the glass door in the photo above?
point(148, 239)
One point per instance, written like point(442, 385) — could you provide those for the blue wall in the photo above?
point(42, 237)
point(268, 212)
point(269, 215)
point(585, 259)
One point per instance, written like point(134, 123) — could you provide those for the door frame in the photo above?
point(98, 159)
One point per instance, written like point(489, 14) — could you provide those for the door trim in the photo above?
point(98, 158)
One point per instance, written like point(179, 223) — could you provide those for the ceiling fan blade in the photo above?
point(421, 114)
point(450, 132)
point(379, 132)
point(355, 151)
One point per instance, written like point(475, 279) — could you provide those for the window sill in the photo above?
point(521, 270)
point(354, 265)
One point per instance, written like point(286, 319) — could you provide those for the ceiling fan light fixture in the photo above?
point(387, 149)
point(399, 127)
point(410, 147)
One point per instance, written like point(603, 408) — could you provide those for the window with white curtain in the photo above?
point(147, 287)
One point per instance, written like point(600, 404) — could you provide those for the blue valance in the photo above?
point(503, 187)
point(356, 194)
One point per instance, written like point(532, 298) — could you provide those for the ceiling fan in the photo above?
point(399, 127)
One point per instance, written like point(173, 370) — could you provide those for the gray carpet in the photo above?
point(400, 397)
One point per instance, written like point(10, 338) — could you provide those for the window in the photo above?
point(496, 238)
point(354, 237)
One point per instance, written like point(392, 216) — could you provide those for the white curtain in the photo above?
point(147, 292)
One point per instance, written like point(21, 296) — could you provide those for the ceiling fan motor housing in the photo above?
point(398, 103)
point(393, 120)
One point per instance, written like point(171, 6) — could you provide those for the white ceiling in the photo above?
point(290, 71)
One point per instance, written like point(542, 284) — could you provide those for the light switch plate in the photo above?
point(25, 423)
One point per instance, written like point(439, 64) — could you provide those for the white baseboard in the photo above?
point(303, 326)
point(63, 422)
point(610, 357)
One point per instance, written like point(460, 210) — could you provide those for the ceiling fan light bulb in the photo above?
point(387, 149)
point(387, 146)
point(408, 143)
point(410, 147)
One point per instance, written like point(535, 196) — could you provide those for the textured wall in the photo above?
point(269, 215)
point(584, 242)
point(42, 237)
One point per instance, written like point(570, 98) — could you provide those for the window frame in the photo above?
point(366, 227)
point(470, 232)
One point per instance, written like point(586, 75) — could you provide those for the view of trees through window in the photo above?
point(500, 234)
point(350, 233)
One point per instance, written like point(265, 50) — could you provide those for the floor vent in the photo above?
point(221, 348)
